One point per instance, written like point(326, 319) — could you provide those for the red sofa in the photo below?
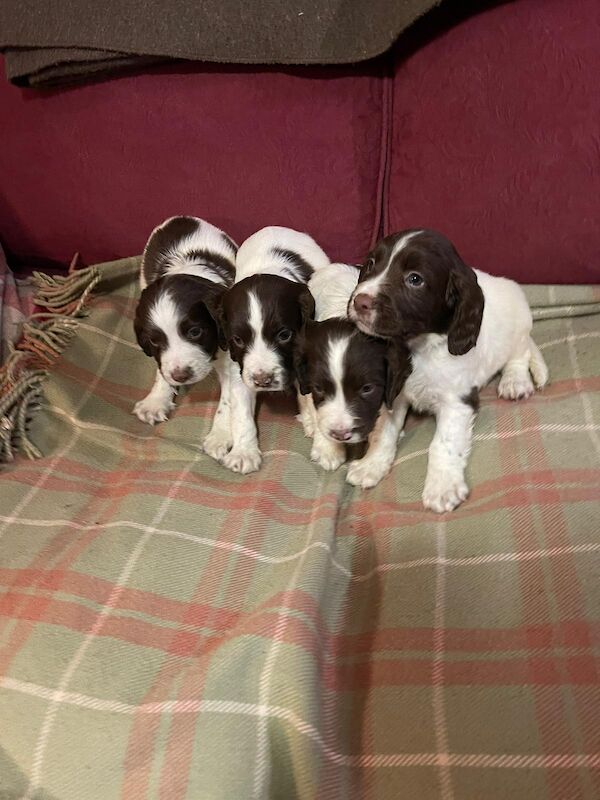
point(483, 126)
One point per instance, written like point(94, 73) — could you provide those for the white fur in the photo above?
point(255, 256)
point(260, 356)
point(205, 237)
point(180, 353)
point(371, 286)
point(157, 404)
point(439, 382)
point(331, 286)
point(333, 413)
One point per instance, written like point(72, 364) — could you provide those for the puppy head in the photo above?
point(176, 323)
point(413, 283)
point(350, 376)
point(261, 316)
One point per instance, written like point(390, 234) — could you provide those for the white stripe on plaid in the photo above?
point(28, 496)
point(263, 761)
point(585, 400)
point(439, 643)
point(117, 590)
point(477, 760)
point(491, 558)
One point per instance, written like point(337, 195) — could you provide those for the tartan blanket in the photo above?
point(169, 629)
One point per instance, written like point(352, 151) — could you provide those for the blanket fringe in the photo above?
point(44, 338)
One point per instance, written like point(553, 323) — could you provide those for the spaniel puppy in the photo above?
point(348, 381)
point(261, 316)
point(462, 326)
point(187, 266)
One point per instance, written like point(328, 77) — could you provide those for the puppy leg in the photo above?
point(445, 486)
point(218, 442)
point(157, 405)
point(307, 414)
point(516, 383)
point(367, 471)
point(327, 454)
point(244, 455)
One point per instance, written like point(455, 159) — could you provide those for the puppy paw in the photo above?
point(217, 444)
point(328, 455)
point(307, 424)
point(515, 387)
point(152, 411)
point(366, 473)
point(243, 460)
point(444, 492)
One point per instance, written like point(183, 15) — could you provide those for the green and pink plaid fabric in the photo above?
point(171, 630)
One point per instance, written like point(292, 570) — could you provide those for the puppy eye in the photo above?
point(154, 343)
point(284, 335)
point(413, 279)
point(317, 388)
point(368, 265)
point(367, 389)
point(195, 332)
point(238, 341)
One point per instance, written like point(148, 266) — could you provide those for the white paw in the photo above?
point(444, 492)
point(152, 411)
point(328, 455)
point(513, 387)
point(366, 473)
point(307, 424)
point(243, 460)
point(217, 444)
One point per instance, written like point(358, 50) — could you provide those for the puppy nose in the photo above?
point(262, 379)
point(341, 434)
point(363, 303)
point(181, 374)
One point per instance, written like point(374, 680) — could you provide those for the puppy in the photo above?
point(347, 381)
point(187, 266)
point(261, 316)
point(462, 326)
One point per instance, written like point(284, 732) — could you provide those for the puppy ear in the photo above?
point(301, 362)
point(398, 366)
point(465, 298)
point(214, 306)
point(307, 304)
point(140, 335)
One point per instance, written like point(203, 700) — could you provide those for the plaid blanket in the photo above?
point(169, 629)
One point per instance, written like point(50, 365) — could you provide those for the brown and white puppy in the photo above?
point(261, 316)
point(352, 381)
point(347, 380)
point(187, 266)
point(462, 326)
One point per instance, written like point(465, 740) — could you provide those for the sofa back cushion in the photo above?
point(495, 139)
point(96, 167)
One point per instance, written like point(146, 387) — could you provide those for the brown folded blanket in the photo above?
point(48, 42)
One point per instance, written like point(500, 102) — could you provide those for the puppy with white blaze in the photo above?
point(187, 266)
point(261, 316)
point(462, 326)
point(350, 381)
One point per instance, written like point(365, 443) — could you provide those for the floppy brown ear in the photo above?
point(140, 335)
point(465, 298)
point(214, 306)
point(307, 304)
point(398, 366)
point(301, 362)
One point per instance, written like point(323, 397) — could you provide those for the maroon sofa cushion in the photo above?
point(94, 168)
point(495, 140)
